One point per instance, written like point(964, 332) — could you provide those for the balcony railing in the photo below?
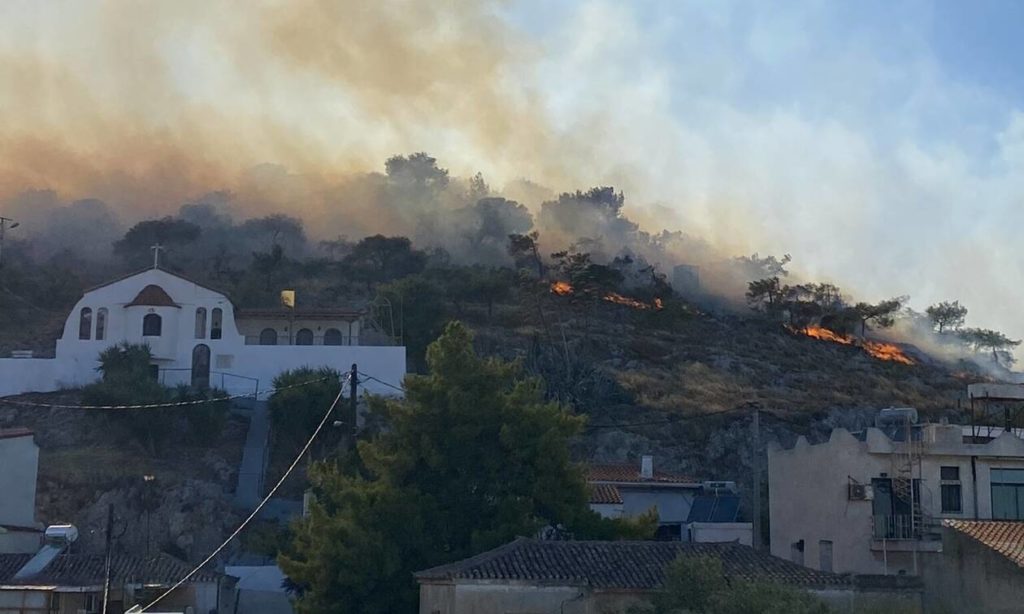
point(317, 340)
point(896, 527)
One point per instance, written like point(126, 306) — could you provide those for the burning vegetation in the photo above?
point(876, 349)
point(564, 288)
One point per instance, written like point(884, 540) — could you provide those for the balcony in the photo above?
point(901, 532)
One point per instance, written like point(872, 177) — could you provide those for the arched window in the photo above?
point(268, 337)
point(201, 323)
point(332, 336)
point(85, 324)
point(152, 325)
point(101, 323)
point(304, 337)
point(201, 366)
point(216, 318)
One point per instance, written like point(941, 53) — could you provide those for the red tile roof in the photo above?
point(630, 474)
point(623, 565)
point(152, 296)
point(17, 431)
point(1004, 536)
point(605, 493)
point(72, 569)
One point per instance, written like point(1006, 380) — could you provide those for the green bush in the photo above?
point(296, 410)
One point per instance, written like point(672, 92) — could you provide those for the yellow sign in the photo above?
point(288, 298)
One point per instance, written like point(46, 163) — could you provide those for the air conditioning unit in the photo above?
point(860, 492)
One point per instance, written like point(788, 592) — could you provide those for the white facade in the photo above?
point(188, 315)
point(833, 505)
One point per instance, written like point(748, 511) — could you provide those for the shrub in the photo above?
point(296, 410)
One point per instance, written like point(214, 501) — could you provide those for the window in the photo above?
point(1007, 494)
point(101, 323)
point(152, 325)
point(304, 337)
point(217, 316)
point(201, 323)
point(672, 532)
point(891, 509)
point(85, 324)
point(825, 555)
point(950, 490)
point(268, 337)
point(92, 603)
point(796, 552)
point(332, 336)
point(54, 602)
point(154, 372)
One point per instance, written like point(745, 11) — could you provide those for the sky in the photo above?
point(881, 144)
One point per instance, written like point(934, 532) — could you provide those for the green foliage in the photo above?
point(126, 380)
point(206, 421)
point(420, 301)
point(479, 284)
point(697, 584)
point(984, 338)
point(947, 316)
point(296, 410)
point(588, 279)
point(765, 294)
point(471, 458)
point(525, 251)
point(379, 259)
point(882, 314)
point(169, 232)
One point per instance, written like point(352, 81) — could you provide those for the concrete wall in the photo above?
point(501, 598)
point(19, 465)
point(971, 578)
point(607, 510)
point(808, 498)
point(721, 532)
point(20, 542)
point(18, 375)
point(673, 503)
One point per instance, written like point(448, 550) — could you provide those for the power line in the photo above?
point(256, 511)
point(247, 395)
point(380, 381)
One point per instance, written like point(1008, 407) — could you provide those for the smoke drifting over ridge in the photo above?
point(147, 106)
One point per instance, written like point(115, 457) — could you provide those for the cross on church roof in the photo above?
point(156, 255)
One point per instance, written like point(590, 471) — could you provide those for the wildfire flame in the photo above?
point(877, 349)
point(564, 288)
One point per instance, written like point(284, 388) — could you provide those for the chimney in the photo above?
point(647, 467)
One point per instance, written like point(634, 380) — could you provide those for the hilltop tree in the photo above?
point(525, 251)
point(170, 232)
point(471, 458)
point(983, 338)
point(765, 294)
point(882, 315)
point(947, 316)
point(379, 259)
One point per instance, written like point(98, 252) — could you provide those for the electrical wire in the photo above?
point(380, 381)
point(256, 511)
point(247, 395)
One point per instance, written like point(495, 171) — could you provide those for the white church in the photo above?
point(198, 337)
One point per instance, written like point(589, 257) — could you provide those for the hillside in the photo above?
point(674, 381)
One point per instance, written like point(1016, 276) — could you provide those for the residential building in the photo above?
point(872, 502)
point(58, 581)
point(261, 589)
point(198, 337)
point(592, 577)
point(19, 464)
point(980, 570)
point(688, 509)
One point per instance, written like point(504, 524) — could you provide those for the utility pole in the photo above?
point(756, 427)
point(5, 223)
point(353, 385)
point(107, 562)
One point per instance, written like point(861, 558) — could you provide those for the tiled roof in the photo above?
point(605, 493)
point(299, 314)
point(17, 431)
point(88, 570)
point(620, 565)
point(1004, 536)
point(631, 473)
point(152, 296)
point(13, 528)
